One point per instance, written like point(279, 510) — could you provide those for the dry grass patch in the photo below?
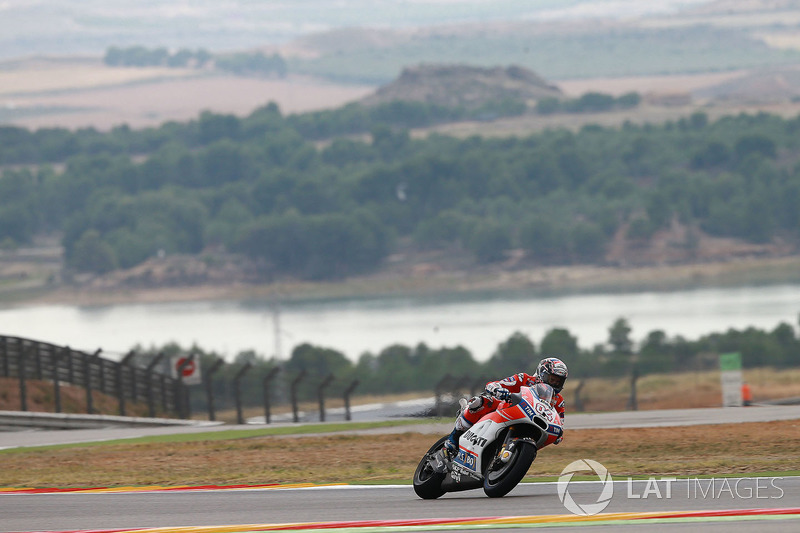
point(46, 76)
point(331, 458)
point(697, 450)
point(680, 390)
point(682, 451)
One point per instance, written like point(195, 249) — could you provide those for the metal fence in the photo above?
point(165, 396)
point(27, 359)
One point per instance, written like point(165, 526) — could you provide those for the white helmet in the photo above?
point(553, 372)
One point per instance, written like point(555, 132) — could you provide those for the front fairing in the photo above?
point(530, 410)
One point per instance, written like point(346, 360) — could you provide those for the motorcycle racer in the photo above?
point(551, 371)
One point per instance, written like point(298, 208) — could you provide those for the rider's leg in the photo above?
point(460, 426)
point(476, 408)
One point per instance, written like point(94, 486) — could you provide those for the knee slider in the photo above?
point(462, 424)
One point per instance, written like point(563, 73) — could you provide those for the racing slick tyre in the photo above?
point(427, 482)
point(500, 477)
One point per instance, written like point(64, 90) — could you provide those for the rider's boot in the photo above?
point(451, 444)
point(471, 411)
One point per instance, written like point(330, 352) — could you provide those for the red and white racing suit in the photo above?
point(484, 403)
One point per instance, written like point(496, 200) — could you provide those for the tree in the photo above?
point(629, 100)
point(641, 229)
point(341, 245)
point(181, 58)
point(558, 194)
point(655, 353)
point(202, 56)
point(389, 141)
point(448, 228)
point(713, 154)
point(659, 211)
point(591, 102)
point(544, 238)
point(214, 127)
point(92, 254)
point(395, 369)
point(558, 342)
point(16, 224)
point(489, 242)
point(548, 106)
point(586, 241)
point(325, 246)
point(130, 247)
point(344, 152)
point(433, 365)
point(784, 335)
point(698, 120)
point(278, 239)
point(318, 363)
point(516, 354)
point(619, 337)
point(222, 162)
point(754, 144)
point(224, 227)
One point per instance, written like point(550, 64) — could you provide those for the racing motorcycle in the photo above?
point(497, 451)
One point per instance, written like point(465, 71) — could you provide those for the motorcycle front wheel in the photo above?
point(500, 478)
point(427, 483)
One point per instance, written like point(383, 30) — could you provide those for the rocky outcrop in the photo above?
point(464, 86)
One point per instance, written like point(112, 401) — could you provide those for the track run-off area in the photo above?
point(706, 503)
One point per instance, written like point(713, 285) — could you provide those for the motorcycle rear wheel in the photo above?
point(500, 478)
point(427, 483)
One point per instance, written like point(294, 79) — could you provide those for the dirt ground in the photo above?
point(151, 102)
point(717, 449)
point(82, 92)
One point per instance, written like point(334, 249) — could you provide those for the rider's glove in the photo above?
point(501, 394)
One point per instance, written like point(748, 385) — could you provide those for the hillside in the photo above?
point(726, 57)
point(464, 86)
point(741, 62)
point(764, 86)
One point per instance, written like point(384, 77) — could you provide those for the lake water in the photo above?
point(356, 326)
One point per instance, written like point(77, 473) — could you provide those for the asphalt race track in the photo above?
point(68, 512)
point(536, 504)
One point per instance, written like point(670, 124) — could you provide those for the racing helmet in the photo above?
point(553, 372)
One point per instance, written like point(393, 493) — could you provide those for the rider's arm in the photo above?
point(511, 383)
point(559, 405)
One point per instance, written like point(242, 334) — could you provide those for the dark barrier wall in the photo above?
point(27, 359)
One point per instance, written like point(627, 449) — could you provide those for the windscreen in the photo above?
point(544, 392)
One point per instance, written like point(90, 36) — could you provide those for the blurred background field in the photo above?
point(656, 391)
point(178, 178)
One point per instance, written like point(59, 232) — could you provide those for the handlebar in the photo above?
point(514, 398)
